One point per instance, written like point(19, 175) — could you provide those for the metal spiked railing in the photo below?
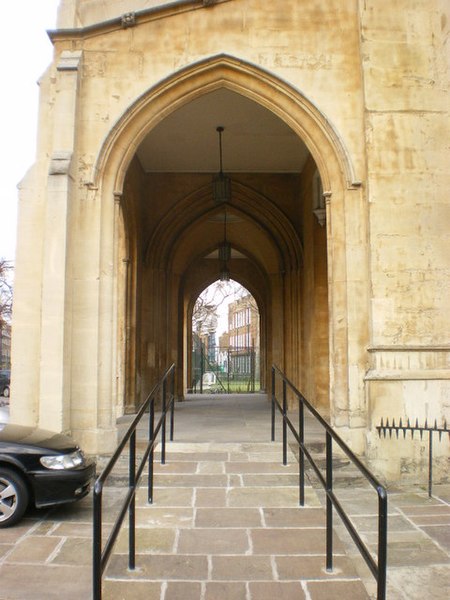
point(387, 427)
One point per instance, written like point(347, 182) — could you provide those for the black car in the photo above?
point(39, 467)
point(4, 383)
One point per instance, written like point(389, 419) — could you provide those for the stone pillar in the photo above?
point(55, 355)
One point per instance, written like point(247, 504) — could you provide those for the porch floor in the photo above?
point(225, 523)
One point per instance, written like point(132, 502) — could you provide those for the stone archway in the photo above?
point(344, 204)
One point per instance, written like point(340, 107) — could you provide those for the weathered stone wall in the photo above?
point(406, 75)
point(364, 85)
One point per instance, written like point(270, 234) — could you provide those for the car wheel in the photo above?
point(13, 497)
point(6, 392)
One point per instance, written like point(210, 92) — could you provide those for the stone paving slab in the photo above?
point(314, 567)
point(228, 517)
point(241, 534)
point(39, 582)
point(158, 567)
point(268, 590)
point(260, 467)
point(278, 551)
point(209, 541)
point(158, 516)
point(292, 541)
point(319, 590)
point(142, 590)
point(225, 591)
point(430, 583)
point(213, 497)
point(166, 497)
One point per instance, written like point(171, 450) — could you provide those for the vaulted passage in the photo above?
point(173, 229)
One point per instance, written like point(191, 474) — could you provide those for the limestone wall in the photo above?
point(406, 74)
point(363, 83)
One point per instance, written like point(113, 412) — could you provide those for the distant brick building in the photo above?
point(240, 345)
point(5, 346)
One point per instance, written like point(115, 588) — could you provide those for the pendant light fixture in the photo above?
point(221, 183)
point(222, 195)
point(224, 251)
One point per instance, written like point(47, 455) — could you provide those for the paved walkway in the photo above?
point(226, 524)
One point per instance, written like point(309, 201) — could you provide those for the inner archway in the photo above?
point(225, 331)
point(285, 242)
point(277, 243)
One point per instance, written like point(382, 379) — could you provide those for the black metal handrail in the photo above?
point(378, 568)
point(102, 553)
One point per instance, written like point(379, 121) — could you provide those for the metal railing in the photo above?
point(378, 568)
point(101, 554)
point(407, 427)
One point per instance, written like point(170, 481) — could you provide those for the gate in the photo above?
point(225, 370)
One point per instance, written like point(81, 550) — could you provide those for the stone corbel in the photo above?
point(60, 163)
point(321, 215)
point(69, 61)
point(321, 212)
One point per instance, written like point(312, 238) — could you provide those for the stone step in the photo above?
point(226, 524)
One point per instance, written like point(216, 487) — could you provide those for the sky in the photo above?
point(25, 53)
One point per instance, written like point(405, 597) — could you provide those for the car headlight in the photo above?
point(63, 461)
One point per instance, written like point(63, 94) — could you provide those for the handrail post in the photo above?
point(329, 482)
point(172, 403)
point(301, 457)
point(97, 546)
point(132, 507)
point(382, 544)
point(430, 463)
point(284, 424)
point(151, 458)
point(163, 427)
point(273, 405)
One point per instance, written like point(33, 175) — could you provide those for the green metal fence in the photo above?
point(225, 370)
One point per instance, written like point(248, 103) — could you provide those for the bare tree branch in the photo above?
point(6, 291)
point(206, 308)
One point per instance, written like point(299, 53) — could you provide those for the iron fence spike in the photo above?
point(400, 424)
point(409, 424)
point(426, 423)
point(417, 423)
point(435, 424)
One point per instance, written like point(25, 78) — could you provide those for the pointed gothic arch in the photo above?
point(257, 84)
point(328, 152)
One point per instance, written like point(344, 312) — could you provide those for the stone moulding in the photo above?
point(241, 77)
point(409, 363)
point(132, 19)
